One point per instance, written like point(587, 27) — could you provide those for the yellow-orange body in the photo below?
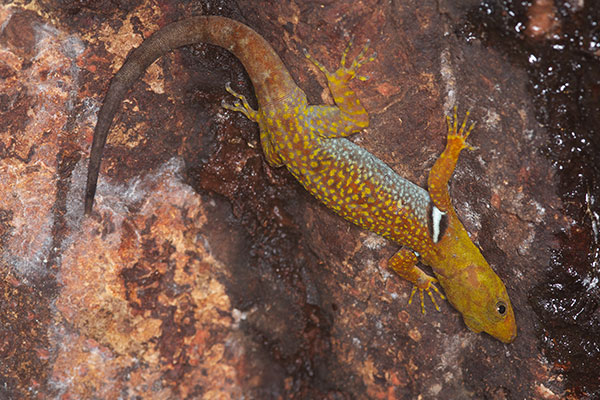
point(310, 142)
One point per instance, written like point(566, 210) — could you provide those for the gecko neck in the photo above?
point(455, 250)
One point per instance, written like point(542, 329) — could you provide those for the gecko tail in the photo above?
point(134, 67)
point(253, 51)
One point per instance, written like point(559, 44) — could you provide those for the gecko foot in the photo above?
point(240, 105)
point(430, 285)
point(357, 63)
point(458, 136)
point(346, 73)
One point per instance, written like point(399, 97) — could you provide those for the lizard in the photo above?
point(311, 142)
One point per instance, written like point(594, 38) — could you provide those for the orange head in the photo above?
point(480, 296)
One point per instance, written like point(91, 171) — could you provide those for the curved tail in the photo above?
point(269, 76)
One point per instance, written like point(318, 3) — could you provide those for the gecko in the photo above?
point(311, 142)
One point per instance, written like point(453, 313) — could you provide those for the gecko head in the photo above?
point(480, 296)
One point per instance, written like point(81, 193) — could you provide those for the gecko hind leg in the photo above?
point(348, 115)
point(345, 73)
point(359, 61)
point(240, 105)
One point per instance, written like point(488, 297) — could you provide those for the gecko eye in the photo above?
point(501, 307)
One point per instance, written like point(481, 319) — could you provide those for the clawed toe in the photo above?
point(422, 297)
point(240, 105)
point(461, 134)
point(361, 59)
point(345, 73)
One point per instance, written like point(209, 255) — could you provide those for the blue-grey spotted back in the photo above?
point(366, 191)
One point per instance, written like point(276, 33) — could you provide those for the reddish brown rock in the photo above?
point(204, 273)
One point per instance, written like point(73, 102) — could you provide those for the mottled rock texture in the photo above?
point(204, 273)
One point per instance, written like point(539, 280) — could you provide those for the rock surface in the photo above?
point(204, 273)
